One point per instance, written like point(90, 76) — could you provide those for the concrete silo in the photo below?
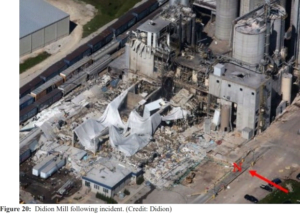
point(277, 18)
point(248, 5)
point(226, 12)
point(249, 41)
point(286, 87)
point(185, 3)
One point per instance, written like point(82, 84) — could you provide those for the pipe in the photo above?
point(180, 33)
point(268, 26)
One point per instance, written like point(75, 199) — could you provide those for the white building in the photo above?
point(40, 24)
point(109, 178)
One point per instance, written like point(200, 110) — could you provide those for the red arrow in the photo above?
point(253, 173)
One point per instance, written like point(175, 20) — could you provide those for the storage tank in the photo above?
point(249, 41)
point(277, 28)
point(173, 2)
point(286, 87)
point(225, 118)
point(248, 5)
point(225, 14)
point(283, 3)
point(185, 3)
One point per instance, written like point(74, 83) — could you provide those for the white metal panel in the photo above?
point(50, 33)
point(63, 27)
point(25, 45)
point(37, 39)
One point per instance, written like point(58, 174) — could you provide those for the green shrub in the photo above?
point(140, 180)
point(126, 192)
point(108, 200)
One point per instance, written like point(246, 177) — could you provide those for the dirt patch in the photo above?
point(206, 175)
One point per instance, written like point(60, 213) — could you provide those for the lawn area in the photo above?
point(33, 61)
point(107, 11)
point(278, 196)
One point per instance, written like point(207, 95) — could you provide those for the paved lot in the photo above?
point(282, 160)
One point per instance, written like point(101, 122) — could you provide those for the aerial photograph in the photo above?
point(158, 102)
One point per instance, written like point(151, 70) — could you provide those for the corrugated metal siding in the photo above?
point(37, 39)
point(63, 27)
point(50, 33)
point(25, 45)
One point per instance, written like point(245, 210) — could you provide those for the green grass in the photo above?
point(33, 61)
point(278, 196)
point(107, 11)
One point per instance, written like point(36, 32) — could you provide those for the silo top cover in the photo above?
point(251, 28)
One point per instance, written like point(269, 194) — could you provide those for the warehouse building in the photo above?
point(40, 24)
point(110, 177)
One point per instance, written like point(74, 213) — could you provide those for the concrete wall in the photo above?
point(247, 100)
point(142, 61)
point(44, 36)
point(99, 188)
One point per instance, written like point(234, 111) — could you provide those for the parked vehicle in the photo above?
point(251, 198)
point(266, 187)
point(276, 181)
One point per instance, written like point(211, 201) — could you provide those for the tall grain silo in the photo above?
point(185, 3)
point(249, 41)
point(173, 2)
point(248, 5)
point(286, 87)
point(277, 18)
point(226, 12)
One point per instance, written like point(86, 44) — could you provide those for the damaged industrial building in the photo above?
point(191, 78)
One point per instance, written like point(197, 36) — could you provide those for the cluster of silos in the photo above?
point(249, 40)
point(277, 18)
point(226, 12)
point(247, 6)
point(183, 17)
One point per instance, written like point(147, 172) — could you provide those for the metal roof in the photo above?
point(154, 26)
point(109, 173)
point(47, 84)
point(37, 14)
